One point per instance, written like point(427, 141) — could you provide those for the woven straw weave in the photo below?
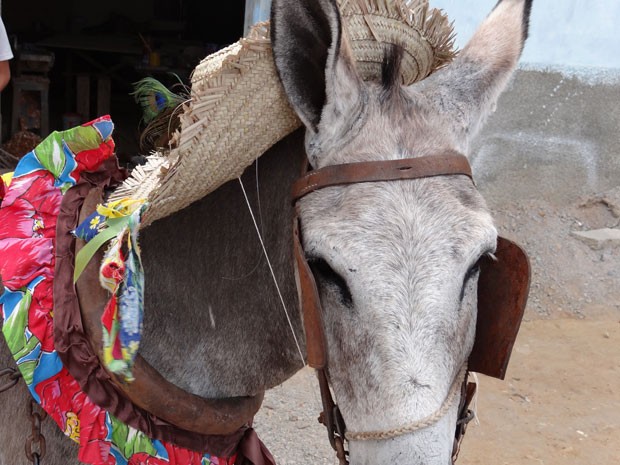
point(425, 35)
point(238, 108)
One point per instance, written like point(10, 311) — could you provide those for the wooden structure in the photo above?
point(31, 92)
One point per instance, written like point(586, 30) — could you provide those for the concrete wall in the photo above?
point(553, 136)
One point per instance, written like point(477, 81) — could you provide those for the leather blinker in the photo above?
point(503, 287)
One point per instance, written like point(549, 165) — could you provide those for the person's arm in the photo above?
point(5, 74)
point(5, 55)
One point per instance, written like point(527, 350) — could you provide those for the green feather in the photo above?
point(155, 98)
point(160, 111)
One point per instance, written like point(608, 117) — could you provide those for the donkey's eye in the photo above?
point(471, 273)
point(327, 276)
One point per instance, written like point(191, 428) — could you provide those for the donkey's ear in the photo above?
point(313, 60)
point(471, 85)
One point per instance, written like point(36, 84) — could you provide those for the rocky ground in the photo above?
point(570, 277)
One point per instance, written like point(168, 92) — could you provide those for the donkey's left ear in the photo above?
point(313, 59)
point(470, 86)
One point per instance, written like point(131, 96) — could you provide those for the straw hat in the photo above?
point(424, 33)
point(238, 108)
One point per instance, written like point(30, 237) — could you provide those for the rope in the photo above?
point(474, 404)
point(273, 275)
point(417, 425)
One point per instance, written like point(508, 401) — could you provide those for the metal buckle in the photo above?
point(339, 429)
point(336, 433)
point(466, 415)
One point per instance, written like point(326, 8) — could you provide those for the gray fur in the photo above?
point(214, 324)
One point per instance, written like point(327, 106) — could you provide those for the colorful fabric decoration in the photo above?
point(28, 215)
point(122, 274)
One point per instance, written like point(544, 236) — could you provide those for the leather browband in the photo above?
point(448, 163)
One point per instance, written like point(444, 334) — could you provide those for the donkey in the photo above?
point(395, 262)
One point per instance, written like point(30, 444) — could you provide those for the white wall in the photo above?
point(562, 32)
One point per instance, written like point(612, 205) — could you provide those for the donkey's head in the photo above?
point(395, 262)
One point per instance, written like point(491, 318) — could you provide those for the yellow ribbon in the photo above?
point(7, 178)
point(120, 208)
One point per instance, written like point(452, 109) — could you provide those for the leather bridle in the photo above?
point(444, 164)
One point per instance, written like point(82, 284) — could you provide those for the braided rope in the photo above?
point(417, 425)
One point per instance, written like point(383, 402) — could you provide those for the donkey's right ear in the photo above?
point(310, 56)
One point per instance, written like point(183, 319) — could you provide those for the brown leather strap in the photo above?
point(316, 352)
point(332, 418)
point(150, 390)
point(448, 163)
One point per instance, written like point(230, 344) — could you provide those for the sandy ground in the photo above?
point(558, 405)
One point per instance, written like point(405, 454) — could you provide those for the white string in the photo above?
point(475, 400)
point(273, 275)
point(262, 230)
point(260, 209)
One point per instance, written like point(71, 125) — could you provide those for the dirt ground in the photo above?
point(558, 405)
point(560, 402)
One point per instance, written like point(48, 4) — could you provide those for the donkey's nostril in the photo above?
point(414, 382)
point(405, 168)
